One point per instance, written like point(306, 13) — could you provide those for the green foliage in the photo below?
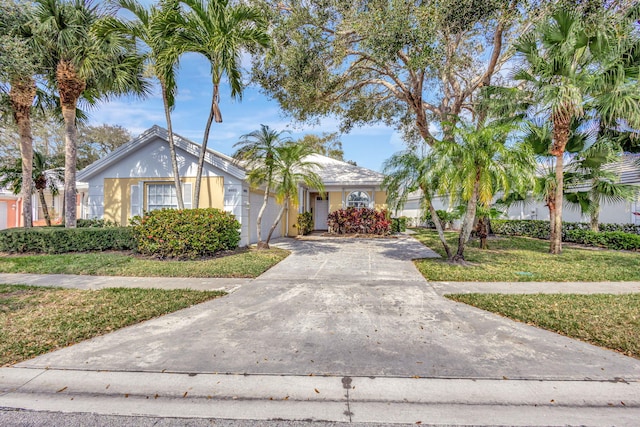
point(540, 229)
point(188, 233)
point(362, 220)
point(399, 225)
point(305, 223)
point(95, 223)
point(607, 239)
point(56, 240)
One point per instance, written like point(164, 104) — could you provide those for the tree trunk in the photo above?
point(285, 203)
point(22, 94)
point(172, 147)
point(265, 201)
point(45, 209)
point(214, 112)
point(556, 233)
point(467, 223)
point(482, 231)
point(561, 130)
point(595, 214)
point(70, 88)
point(436, 221)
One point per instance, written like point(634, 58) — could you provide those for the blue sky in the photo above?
point(369, 146)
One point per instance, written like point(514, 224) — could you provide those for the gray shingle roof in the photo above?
point(336, 172)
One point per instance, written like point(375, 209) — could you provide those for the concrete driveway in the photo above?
point(348, 307)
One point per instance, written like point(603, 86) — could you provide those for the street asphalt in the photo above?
point(343, 330)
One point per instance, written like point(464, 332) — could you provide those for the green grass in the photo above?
point(610, 321)
point(36, 320)
point(522, 259)
point(242, 263)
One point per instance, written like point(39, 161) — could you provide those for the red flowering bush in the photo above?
point(359, 220)
point(188, 233)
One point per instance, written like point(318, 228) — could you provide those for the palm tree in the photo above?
point(406, 172)
point(44, 176)
point(291, 167)
point(258, 150)
point(220, 30)
point(154, 28)
point(81, 64)
point(479, 162)
point(570, 68)
point(18, 67)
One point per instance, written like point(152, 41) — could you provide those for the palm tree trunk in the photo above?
point(45, 209)
point(265, 201)
point(438, 224)
point(214, 112)
point(467, 223)
point(595, 213)
point(70, 158)
point(285, 203)
point(556, 231)
point(70, 88)
point(172, 147)
point(22, 94)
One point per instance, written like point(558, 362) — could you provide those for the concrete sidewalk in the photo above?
point(343, 331)
point(101, 282)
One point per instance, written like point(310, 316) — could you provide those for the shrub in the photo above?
point(607, 239)
point(54, 240)
point(399, 225)
point(362, 220)
point(188, 233)
point(541, 229)
point(95, 223)
point(305, 223)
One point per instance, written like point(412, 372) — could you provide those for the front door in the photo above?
point(320, 214)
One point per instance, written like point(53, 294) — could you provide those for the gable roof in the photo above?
point(214, 158)
point(336, 172)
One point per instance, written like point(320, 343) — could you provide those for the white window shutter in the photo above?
point(186, 195)
point(135, 200)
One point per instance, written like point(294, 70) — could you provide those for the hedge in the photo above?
point(606, 239)
point(188, 233)
point(55, 240)
point(541, 229)
point(359, 220)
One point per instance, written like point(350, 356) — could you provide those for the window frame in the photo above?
point(358, 204)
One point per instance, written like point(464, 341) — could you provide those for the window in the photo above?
point(161, 196)
point(358, 199)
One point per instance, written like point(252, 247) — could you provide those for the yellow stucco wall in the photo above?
point(117, 195)
point(211, 191)
point(335, 201)
point(380, 200)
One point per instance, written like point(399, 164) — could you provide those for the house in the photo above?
point(628, 171)
point(10, 209)
point(137, 177)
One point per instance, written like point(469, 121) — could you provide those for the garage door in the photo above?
point(3, 215)
point(269, 216)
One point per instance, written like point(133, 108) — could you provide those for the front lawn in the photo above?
point(36, 320)
point(523, 259)
point(242, 263)
point(610, 321)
